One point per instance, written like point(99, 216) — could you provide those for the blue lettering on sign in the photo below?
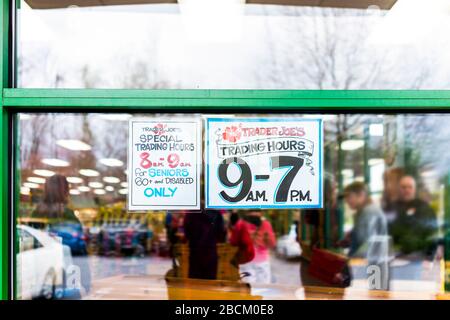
point(160, 192)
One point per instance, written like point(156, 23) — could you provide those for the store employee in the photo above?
point(415, 227)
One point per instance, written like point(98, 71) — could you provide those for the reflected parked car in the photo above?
point(122, 238)
point(72, 235)
point(41, 262)
point(133, 239)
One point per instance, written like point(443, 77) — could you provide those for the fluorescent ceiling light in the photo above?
point(376, 129)
point(74, 145)
point(89, 173)
point(84, 189)
point(25, 191)
point(74, 180)
point(36, 180)
point(55, 162)
point(124, 184)
point(123, 191)
point(44, 172)
point(111, 180)
point(95, 185)
point(99, 191)
point(111, 162)
point(74, 192)
point(31, 185)
point(109, 188)
point(352, 144)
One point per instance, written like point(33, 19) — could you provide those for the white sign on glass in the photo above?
point(164, 164)
point(263, 163)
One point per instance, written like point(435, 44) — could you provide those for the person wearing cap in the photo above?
point(368, 238)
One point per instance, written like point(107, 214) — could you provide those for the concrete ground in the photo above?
point(143, 278)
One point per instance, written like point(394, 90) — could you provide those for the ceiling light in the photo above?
point(124, 184)
point(95, 185)
point(99, 191)
point(111, 180)
point(109, 188)
point(74, 145)
point(74, 180)
point(123, 191)
point(25, 191)
point(36, 180)
point(111, 162)
point(352, 144)
point(74, 192)
point(43, 172)
point(84, 189)
point(89, 173)
point(31, 185)
point(55, 162)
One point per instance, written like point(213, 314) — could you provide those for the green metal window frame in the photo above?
point(99, 100)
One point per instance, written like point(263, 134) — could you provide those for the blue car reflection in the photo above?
point(72, 235)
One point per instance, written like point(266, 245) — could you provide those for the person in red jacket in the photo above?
point(263, 239)
point(239, 236)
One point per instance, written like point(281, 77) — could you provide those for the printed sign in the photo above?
point(263, 163)
point(164, 164)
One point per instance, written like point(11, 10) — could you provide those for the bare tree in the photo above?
point(328, 48)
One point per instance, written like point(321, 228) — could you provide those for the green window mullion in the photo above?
point(219, 100)
point(4, 154)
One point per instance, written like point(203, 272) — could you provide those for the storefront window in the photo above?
point(379, 230)
point(232, 45)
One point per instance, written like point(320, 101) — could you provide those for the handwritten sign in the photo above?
point(164, 164)
point(263, 163)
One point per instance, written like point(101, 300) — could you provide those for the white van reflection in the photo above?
point(41, 263)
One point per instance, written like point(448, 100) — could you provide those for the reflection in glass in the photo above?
point(380, 228)
point(227, 45)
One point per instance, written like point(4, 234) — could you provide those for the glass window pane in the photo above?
point(384, 207)
point(199, 44)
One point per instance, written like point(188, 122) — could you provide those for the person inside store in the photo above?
point(263, 239)
point(239, 236)
point(368, 239)
point(54, 207)
point(172, 223)
point(54, 202)
point(415, 227)
point(203, 231)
